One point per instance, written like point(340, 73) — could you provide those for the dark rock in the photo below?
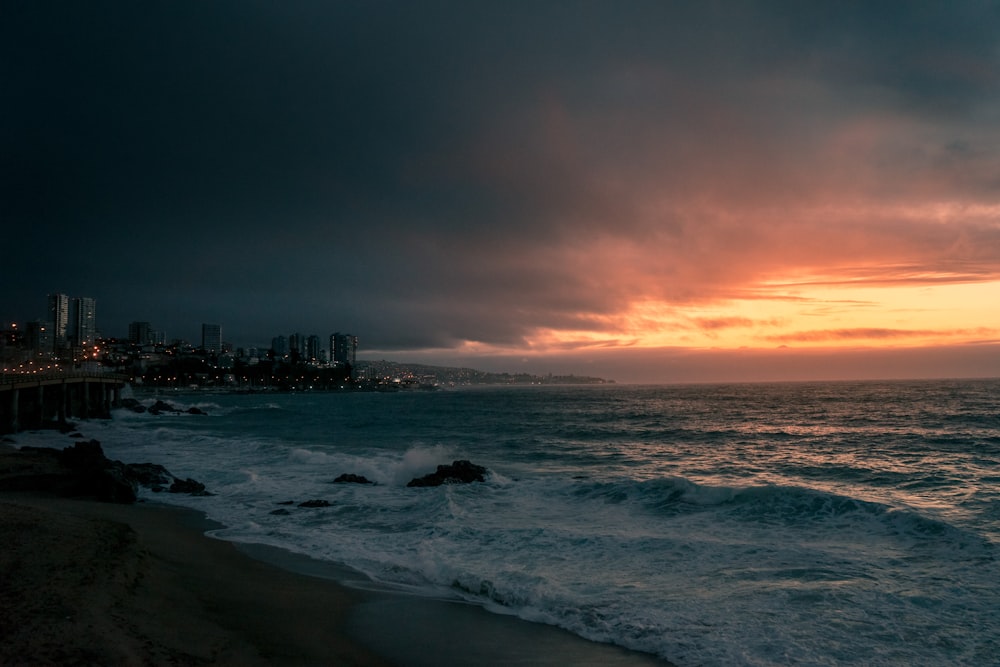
point(139, 408)
point(157, 478)
point(193, 487)
point(84, 456)
point(286, 502)
point(160, 407)
point(84, 470)
point(112, 484)
point(186, 486)
point(80, 470)
point(130, 403)
point(315, 503)
point(351, 478)
point(76, 434)
point(281, 511)
point(99, 476)
point(195, 411)
point(459, 472)
point(150, 475)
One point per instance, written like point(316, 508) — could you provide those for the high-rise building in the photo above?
point(140, 333)
point(11, 344)
point(211, 338)
point(344, 349)
point(40, 338)
point(312, 348)
point(296, 345)
point(279, 346)
point(59, 317)
point(82, 326)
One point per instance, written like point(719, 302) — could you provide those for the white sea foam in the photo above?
point(697, 545)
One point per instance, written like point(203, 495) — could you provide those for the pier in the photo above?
point(30, 401)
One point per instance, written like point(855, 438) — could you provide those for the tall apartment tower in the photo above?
point(211, 338)
point(312, 348)
point(296, 345)
point(59, 317)
point(279, 345)
point(82, 327)
point(40, 338)
point(140, 333)
point(344, 349)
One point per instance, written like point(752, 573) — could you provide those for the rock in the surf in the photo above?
point(315, 503)
point(459, 472)
point(351, 478)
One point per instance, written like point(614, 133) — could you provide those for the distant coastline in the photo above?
point(448, 375)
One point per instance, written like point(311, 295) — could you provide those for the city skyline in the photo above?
point(72, 322)
point(651, 192)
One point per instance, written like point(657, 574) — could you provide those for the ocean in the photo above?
point(847, 523)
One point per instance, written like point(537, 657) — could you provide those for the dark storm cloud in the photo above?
point(431, 173)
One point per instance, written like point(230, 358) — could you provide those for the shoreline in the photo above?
point(440, 631)
point(101, 583)
point(147, 586)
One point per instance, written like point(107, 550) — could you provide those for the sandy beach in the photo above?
point(95, 583)
point(84, 582)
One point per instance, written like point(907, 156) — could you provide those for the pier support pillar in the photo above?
point(40, 415)
point(14, 407)
point(63, 402)
point(85, 400)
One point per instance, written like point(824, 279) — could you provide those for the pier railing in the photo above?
point(33, 379)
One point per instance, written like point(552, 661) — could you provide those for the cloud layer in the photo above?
point(512, 176)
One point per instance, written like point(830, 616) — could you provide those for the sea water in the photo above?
point(752, 524)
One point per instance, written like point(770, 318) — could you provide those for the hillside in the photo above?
point(445, 375)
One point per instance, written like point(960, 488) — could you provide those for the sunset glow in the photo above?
point(807, 190)
point(805, 317)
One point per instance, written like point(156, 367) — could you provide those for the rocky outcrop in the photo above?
point(315, 503)
point(188, 486)
point(84, 471)
point(459, 472)
point(80, 470)
point(133, 405)
point(351, 478)
point(153, 476)
point(158, 408)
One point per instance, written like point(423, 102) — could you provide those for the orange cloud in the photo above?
point(838, 335)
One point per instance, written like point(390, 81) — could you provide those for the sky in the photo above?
point(644, 191)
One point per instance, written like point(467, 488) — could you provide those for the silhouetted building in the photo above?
point(279, 346)
point(140, 333)
point(81, 329)
point(59, 317)
point(40, 339)
point(11, 345)
point(211, 338)
point(344, 349)
point(312, 348)
point(296, 346)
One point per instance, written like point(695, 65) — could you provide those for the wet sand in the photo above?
point(83, 582)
